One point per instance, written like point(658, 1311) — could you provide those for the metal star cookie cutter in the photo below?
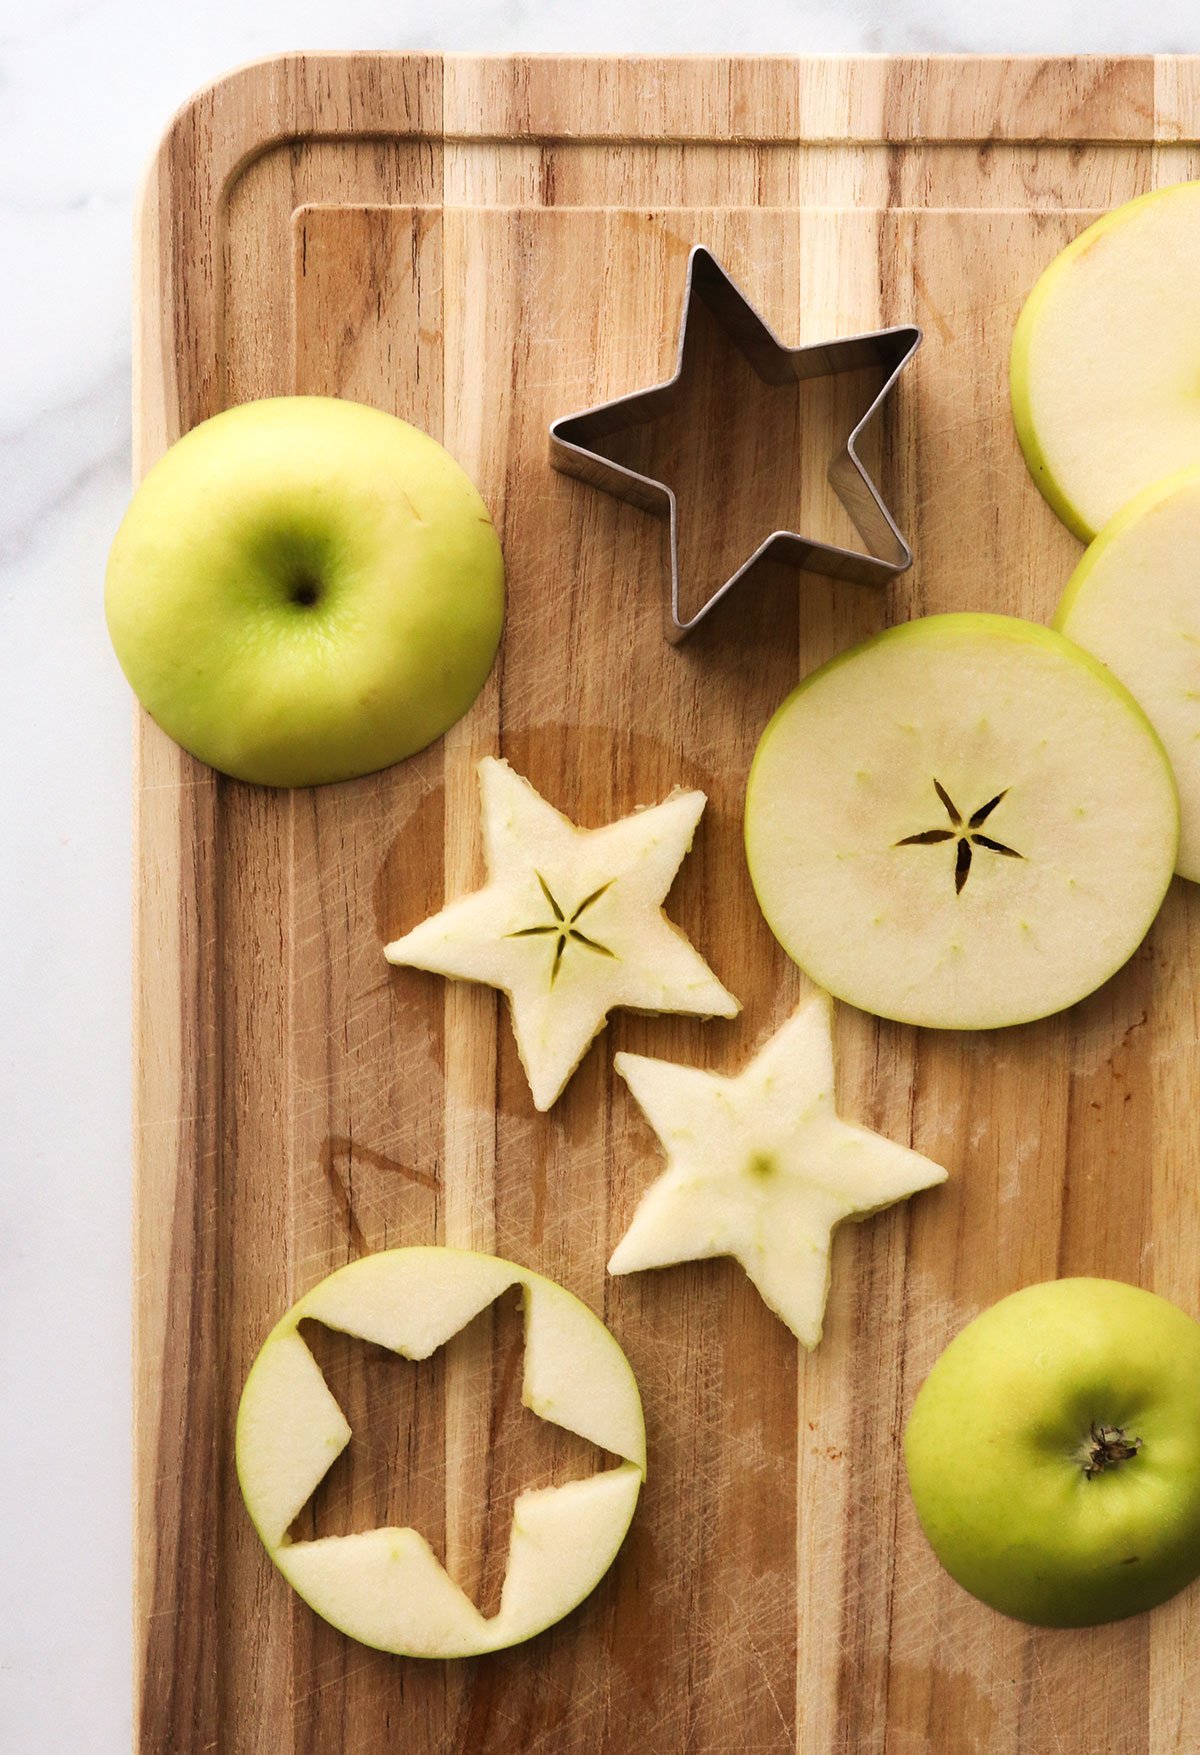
point(884, 555)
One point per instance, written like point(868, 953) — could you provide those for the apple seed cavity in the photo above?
point(564, 926)
point(966, 834)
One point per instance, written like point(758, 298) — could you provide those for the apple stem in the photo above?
point(1104, 1448)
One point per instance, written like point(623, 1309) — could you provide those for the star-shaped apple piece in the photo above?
point(570, 924)
point(762, 1168)
point(619, 445)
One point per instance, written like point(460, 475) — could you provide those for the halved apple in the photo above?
point(305, 589)
point(1105, 371)
point(965, 822)
point(1134, 602)
point(385, 1587)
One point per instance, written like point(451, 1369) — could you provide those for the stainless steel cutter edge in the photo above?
point(885, 555)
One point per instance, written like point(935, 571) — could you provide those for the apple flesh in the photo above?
point(1053, 1453)
point(570, 924)
point(965, 822)
point(304, 590)
point(761, 1167)
point(385, 1587)
point(1133, 602)
point(1105, 370)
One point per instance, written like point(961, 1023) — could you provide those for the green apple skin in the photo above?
point(1019, 383)
point(998, 1430)
point(304, 590)
point(1081, 521)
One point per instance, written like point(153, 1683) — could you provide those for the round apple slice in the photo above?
point(1105, 371)
point(965, 822)
point(385, 1587)
point(1133, 602)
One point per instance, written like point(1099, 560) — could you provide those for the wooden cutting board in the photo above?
point(480, 245)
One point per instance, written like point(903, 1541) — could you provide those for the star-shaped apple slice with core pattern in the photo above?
point(570, 924)
point(384, 1585)
point(761, 1167)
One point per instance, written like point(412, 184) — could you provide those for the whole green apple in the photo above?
point(305, 589)
point(1053, 1453)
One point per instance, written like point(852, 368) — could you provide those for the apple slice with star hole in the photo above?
point(570, 924)
point(965, 822)
point(1105, 371)
point(305, 589)
point(762, 1168)
point(1133, 602)
point(386, 1587)
point(1053, 1453)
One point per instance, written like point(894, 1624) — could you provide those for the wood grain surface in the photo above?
point(481, 245)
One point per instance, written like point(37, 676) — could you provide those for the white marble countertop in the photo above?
point(86, 87)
